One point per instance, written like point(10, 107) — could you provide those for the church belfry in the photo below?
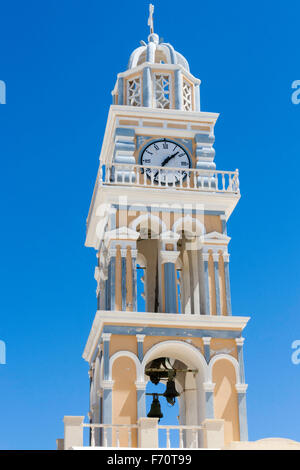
point(158, 222)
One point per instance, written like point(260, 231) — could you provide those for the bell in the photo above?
point(171, 392)
point(155, 411)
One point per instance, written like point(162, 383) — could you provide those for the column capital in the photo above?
point(206, 340)
point(226, 257)
point(106, 336)
point(216, 256)
point(140, 385)
point(100, 393)
point(239, 341)
point(205, 256)
point(241, 388)
point(169, 256)
point(140, 338)
point(123, 252)
point(107, 384)
point(208, 386)
point(134, 253)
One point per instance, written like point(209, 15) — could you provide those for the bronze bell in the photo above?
point(155, 411)
point(171, 392)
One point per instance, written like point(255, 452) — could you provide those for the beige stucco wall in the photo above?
point(124, 398)
point(225, 399)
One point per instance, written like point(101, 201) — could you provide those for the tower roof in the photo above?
point(157, 52)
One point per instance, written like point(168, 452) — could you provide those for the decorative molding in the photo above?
point(106, 336)
point(208, 386)
point(241, 388)
point(206, 340)
point(239, 341)
point(169, 256)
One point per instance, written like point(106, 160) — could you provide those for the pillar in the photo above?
point(168, 260)
point(73, 432)
point(178, 89)
point(227, 283)
point(147, 88)
point(148, 433)
point(209, 399)
point(206, 284)
point(206, 342)
point(241, 390)
point(123, 277)
point(217, 282)
point(141, 399)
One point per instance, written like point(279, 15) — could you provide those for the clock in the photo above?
point(168, 154)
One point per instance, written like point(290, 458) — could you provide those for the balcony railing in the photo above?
point(120, 435)
point(166, 177)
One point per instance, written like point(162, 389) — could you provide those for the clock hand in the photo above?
point(169, 158)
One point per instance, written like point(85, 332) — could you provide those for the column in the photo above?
point(178, 89)
point(168, 260)
point(111, 291)
point(206, 284)
point(134, 280)
point(141, 399)
point(227, 283)
point(140, 344)
point(209, 399)
point(217, 282)
point(241, 390)
point(240, 354)
point(120, 90)
point(206, 342)
point(123, 278)
point(107, 407)
point(147, 88)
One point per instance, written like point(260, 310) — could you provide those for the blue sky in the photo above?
point(59, 61)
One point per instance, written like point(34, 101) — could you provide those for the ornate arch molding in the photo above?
point(181, 350)
point(129, 354)
point(148, 218)
point(226, 357)
point(186, 224)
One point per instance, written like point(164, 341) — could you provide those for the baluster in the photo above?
point(129, 437)
point(195, 440)
point(180, 438)
point(107, 174)
point(93, 436)
point(123, 173)
point(188, 180)
point(223, 181)
point(152, 177)
point(101, 174)
point(159, 177)
point(145, 176)
point(104, 437)
point(168, 438)
point(230, 181)
point(117, 437)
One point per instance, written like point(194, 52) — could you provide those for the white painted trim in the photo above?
point(157, 319)
point(195, 357)
point(227, 357)
point(185, 222)
point(148, 217)
point(131, 355)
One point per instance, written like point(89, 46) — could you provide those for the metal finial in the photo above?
point(150, 19)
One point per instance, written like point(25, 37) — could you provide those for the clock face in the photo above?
point(169, 155)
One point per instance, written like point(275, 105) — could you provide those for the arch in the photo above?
point(186, 225)
point(151, 221)
point(227, 357)
point(183, 351)
point(131, 355)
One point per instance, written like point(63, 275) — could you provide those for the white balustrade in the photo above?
point(114, 429)
point(164, 177)
point(186, 433)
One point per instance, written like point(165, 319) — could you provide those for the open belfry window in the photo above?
point(187, 94)
point(134, 96)
point(162, 85)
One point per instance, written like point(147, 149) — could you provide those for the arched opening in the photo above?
point(189, 408)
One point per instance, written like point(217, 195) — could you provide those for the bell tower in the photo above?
point(158, 222)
